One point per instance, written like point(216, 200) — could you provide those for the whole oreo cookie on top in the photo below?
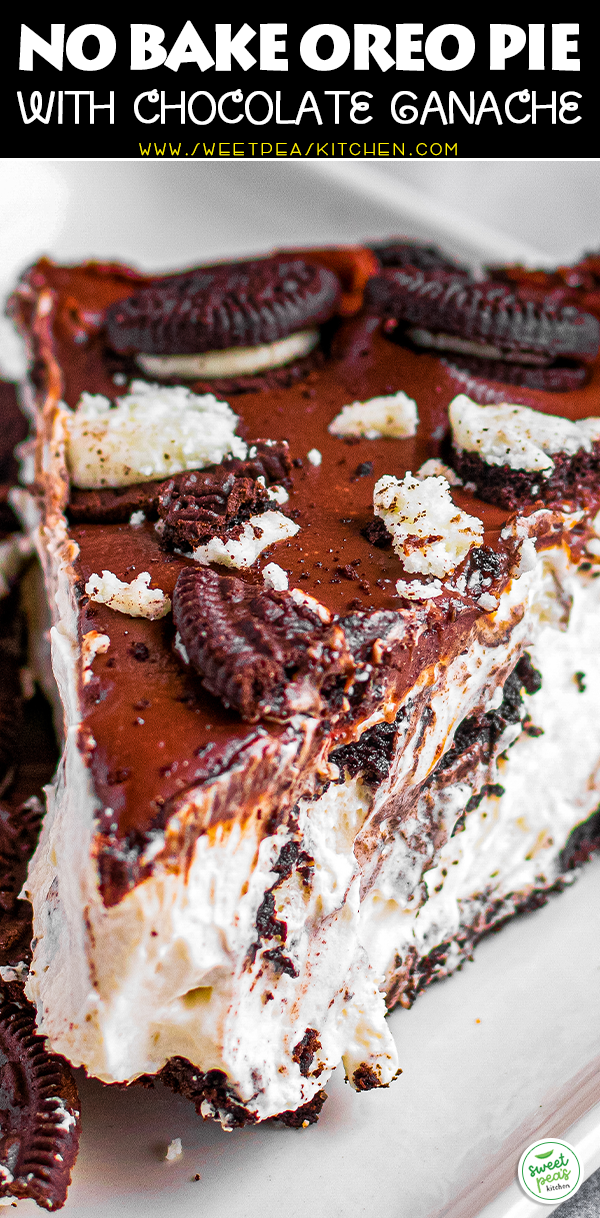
point(489, 327)
point(214, 308)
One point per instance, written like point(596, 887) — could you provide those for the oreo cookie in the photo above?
point(520, 338)
point(265, 654)
point(39, 1111)
point(215, 308)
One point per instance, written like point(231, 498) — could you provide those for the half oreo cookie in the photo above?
point(231, 320)
point(488, 327)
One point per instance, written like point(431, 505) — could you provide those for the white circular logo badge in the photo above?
point(549, 1171)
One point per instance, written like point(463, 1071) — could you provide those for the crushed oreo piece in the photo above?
point(307, 1114)
point(573, 476)
point(304, 1052)
point(201, 504)
point(39, 1110)
point(240, 304)
point(486, 561)
point(364, 470)
point(485, 730)
point(211, 1087)
point(19, 831)
point(376, 534)
point(114, 505)
point(260, 651)
point(365, 1078)
point(370, 756)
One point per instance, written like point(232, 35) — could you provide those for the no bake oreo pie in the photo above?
point(325, 630)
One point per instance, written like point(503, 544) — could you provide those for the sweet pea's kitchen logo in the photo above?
point(550, 1171)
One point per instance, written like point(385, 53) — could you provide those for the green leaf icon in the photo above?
point(546, 1155)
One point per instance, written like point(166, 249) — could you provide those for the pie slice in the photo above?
point(329, 715)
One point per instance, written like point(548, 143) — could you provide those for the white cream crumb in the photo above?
point(275, 577)
point(92, 644)
point(514, 435)
point(254, 537)
point(393, 416)
point(137, 518)
point(437, 469)
point(416, 591)
point(304, 598)
point(152, 432)
point(174, 1150)
point(430, 534)
point(314, 456)
point(180, 648)
point(487, 602)
point(277, 494)
point(136, 599)
point(593, 547)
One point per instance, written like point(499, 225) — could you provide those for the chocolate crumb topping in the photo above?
point(209, 503)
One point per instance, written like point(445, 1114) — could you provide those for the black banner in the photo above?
point(296, 89)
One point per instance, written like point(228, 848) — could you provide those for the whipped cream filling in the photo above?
point(136, 599)
point(254, 536)
point(232, 361)
point(178, 966)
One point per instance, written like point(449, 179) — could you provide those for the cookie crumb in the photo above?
point(174, 1150)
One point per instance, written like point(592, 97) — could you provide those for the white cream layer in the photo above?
point(233, 361)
